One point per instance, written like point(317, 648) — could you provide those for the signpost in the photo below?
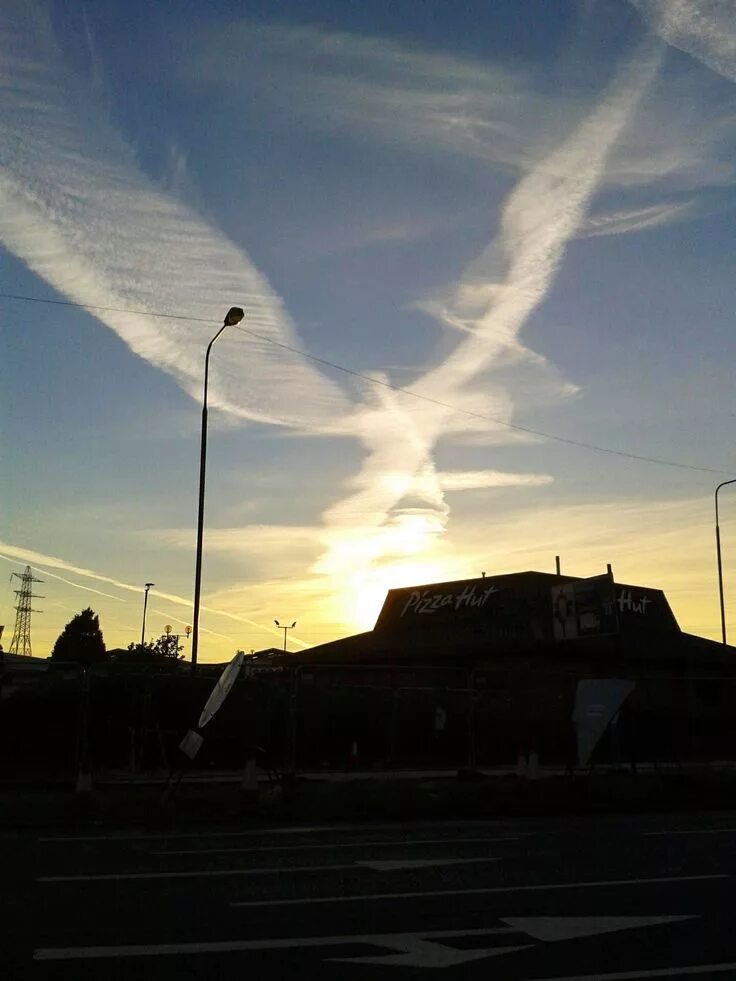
point(221, 690)
point(193, 740)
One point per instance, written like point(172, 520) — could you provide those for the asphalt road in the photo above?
point(593, 898)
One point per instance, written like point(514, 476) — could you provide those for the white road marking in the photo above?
point(212, 834)
point(553, 928)
point(394, 941)
point(664, 972)
point(396, 865)
point(421, 949)
point(698, 831)
point(278, 870)
point(401, 842)
point(424, 953)
point(476, 892)
point(266, 832)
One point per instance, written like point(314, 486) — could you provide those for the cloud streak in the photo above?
point(484, 479)
point(493, 301)
point(636, 219)
point(705, 29)
point(15, 553)
point(76, 207)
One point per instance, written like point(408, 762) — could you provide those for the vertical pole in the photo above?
point(720, 579)
point(720, 562)
point(84, 777)
point(145, 604)
point(394, 725)
point(200, 526)
point(472, 753)
point(557, 564)
point(200, 506)
point(291, 751)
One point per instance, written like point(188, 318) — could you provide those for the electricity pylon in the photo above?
point(21, 642)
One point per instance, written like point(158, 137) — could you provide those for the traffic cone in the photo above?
point(354, 754)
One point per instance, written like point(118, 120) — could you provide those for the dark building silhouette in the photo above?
point(531, 619)
point(534, 663)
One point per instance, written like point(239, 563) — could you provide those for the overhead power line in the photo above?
point(580, 444)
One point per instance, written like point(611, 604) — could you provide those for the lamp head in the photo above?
point(234, 316)
point(294, 624)
point(149, 584)
point(277, 623)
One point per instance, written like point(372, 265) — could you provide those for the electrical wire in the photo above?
point(554, 437)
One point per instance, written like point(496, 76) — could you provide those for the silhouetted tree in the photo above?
point(166, 648)
point(81, 640)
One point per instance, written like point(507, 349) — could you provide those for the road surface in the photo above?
point(584, 898)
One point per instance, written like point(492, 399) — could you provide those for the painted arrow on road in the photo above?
point(552, 928)
point(417, 952)
point(421, 949)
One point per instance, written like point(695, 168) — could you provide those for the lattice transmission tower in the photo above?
point(21, 642)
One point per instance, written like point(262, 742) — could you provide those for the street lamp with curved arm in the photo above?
point(234, 316)
point(720, 565)
point(146, 587)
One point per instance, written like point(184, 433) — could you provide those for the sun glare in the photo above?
point(366, 590)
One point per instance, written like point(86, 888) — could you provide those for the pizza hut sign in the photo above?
point(427, 601)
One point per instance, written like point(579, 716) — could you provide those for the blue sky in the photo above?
point(525, 216)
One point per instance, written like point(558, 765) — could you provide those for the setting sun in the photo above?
point(363, 596)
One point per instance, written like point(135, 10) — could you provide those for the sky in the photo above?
point(485, 258)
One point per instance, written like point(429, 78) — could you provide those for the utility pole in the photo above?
point(21, 642)
point(146, 587)
point(725, 483)
point(233, 317)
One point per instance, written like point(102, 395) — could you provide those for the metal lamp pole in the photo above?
point(234, 316)
point(284, 627)
point(720, 564)
point(147, 586)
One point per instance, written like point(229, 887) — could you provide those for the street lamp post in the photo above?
point(146, 587)
point(720, 564)
point(285, 628)
point(234, 316)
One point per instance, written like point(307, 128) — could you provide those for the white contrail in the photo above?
point(14, 553)
point(637, 219)
point(77, 209)
point(495, 298)
point(705, 29)
point(77, 585)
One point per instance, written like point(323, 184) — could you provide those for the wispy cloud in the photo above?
point(484, 479)
point(491, 113)
point(705, 29)
point(378, 86)
point(636, 219)
point(76, 207)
